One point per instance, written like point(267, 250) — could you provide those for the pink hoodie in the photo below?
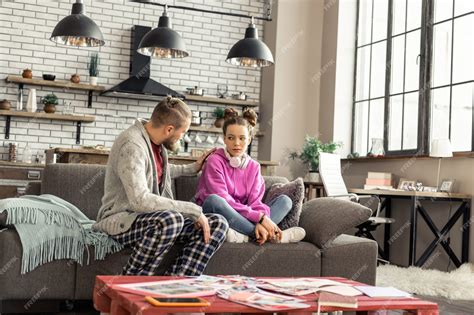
point(243, 189)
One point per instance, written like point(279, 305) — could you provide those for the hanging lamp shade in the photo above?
point(163, 42)
point(250, 51)
point(77, 29)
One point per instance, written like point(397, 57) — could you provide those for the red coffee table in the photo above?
point(115, 302)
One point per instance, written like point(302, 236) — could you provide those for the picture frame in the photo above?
point(446, 185)
point(406, 184)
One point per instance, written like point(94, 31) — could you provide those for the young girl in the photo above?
point(231, 185)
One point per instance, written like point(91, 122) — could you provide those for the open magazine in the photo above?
point(188, 287)
point(253, 297)
point(304, 286)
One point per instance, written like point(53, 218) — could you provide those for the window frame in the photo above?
point(425, 75)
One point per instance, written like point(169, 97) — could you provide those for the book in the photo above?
point(336, 300)
point(299, 287)
point(385, 292)
point(369, 187)
point(378, 181)
point(379, 175)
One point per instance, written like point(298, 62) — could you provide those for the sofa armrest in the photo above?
point(324, 219)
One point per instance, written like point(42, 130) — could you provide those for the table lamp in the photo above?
point(440, 148)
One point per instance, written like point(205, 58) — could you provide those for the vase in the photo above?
point(376, 150)
point(31, 105)
point(312, 177)
point(27, 74)
point(49, 108)
point(219, 122)
point(93, 80)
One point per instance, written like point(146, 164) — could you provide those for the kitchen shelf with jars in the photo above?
point(50, 82)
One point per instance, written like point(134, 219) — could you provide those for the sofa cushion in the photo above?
point(351, 257)
point(80, 184)
point(324, 219)
point(294, 190)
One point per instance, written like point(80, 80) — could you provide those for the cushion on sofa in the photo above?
point(326, 218)
point(294, 190)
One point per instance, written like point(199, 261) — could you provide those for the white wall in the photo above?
point(25, 28)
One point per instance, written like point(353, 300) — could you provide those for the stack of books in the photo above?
point(378, 180)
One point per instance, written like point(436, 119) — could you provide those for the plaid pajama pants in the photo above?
point(152, 235)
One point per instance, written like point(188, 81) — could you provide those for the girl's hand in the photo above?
point(270, 226)
point(261, 234)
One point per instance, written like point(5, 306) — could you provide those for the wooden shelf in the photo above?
point(57, 84)
point(215, 130)
point(83, 118)
point(79, 119)
point(216, 100)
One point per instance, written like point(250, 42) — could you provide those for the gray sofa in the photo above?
point(64, 285)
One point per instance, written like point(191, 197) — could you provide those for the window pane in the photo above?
point(395, 124)
point(378, 69)
point(365, 22)
point(461, 117)
point(376, 119)
point(398, 58)
point(443, 9)
point(361, 127)
point(412, 65)
point(441, 54)
point(463, 6)
point(363, 63)
point(463, 65)
point(380, 20)
point(399, 15)
point(440, 113)
point(413, 14)
point(410, 121)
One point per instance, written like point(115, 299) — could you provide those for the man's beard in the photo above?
point(171, 146)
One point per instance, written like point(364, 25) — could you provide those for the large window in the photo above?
point(414, 75)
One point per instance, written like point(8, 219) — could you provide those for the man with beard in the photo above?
point(138, 209)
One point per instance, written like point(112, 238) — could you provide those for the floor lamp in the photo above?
point(440, 148)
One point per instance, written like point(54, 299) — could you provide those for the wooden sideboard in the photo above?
point(94, 156)
point(15, 178)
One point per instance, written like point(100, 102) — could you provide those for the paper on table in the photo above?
point(382, 291)
point(341, 290)
point(302, 282)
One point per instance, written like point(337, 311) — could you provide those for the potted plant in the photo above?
point(219, 114)
point(50, 101)
point(309, 155)
point(93, 68)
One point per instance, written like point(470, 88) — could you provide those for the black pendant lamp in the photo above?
point(163, 42)
point(250, 51)
point(78, 29)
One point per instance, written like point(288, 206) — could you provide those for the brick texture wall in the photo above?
point(25, 29)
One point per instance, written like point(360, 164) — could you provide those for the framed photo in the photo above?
point(405, 184)
point(446, 185)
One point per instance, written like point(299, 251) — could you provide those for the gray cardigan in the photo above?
point(130, 186)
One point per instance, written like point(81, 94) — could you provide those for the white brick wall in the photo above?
point(25, 28)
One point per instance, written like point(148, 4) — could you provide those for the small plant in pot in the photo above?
point(309, 155)
point(219, 114)
point(93, 67)
point(50, 101)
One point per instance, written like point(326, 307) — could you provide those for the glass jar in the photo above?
point(376, 150)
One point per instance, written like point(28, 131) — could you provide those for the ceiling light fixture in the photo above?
point(163, 42)
point(77, 29)
point(250, 51)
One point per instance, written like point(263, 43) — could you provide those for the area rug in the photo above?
point(456, 285)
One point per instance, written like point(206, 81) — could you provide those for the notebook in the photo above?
point(336, 300)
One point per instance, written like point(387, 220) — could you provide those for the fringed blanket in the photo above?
point(51, 228)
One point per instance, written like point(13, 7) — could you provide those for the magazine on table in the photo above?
point(304, 286)
point(254, 297)
point(187, 287)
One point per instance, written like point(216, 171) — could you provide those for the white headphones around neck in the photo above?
point(237, 161)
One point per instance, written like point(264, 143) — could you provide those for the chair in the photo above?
point(331, 175)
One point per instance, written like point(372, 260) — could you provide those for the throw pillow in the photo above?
point(294, 190)
point(324, 219)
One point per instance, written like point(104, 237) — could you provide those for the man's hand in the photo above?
point(261, 234)
point(203, 223)
point(200, 161)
